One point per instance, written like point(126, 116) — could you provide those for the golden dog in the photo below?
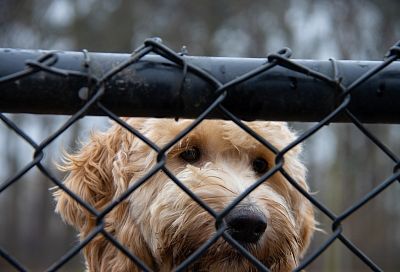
point(161, 224)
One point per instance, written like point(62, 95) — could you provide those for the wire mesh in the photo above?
point(96, 87)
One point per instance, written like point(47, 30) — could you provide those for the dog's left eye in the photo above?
point(191, 155)
point(260, 165)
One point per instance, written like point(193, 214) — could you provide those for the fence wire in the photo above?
point(154, 46)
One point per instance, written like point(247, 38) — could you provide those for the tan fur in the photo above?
point(160, 223)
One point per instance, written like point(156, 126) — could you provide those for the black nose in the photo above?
point(246, 224)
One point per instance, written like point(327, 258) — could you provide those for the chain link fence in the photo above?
point(99, 90)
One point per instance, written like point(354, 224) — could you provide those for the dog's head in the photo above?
point(161, 224)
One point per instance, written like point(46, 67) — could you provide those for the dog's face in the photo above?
point(162, 224)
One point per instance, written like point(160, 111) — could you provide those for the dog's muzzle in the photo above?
point(246, 224)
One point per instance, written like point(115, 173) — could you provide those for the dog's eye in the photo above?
point(191, 155)
point(260, 165)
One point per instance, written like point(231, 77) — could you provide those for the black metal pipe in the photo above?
point(152, 87)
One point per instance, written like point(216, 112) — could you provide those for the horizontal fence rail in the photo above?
point(154, 85)
point(170, 84)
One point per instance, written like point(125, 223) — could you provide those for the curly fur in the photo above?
point(161, 224)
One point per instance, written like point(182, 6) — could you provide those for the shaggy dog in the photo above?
point(161, 224)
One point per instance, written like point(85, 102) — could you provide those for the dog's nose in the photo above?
point(246, 225)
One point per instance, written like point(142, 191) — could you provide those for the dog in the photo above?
point(161, 224)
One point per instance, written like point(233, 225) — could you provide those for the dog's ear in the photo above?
point(96, 176)
point(280, 135)
point(307, 226)
point(303, 209)
point(90, 178)
point(91, 174)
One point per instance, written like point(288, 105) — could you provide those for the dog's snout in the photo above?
point(246, 225)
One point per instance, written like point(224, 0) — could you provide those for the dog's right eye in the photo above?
point(190, 155)
point(260, 165)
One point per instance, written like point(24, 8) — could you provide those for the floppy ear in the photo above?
point(303, 209)
point(91, 176)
